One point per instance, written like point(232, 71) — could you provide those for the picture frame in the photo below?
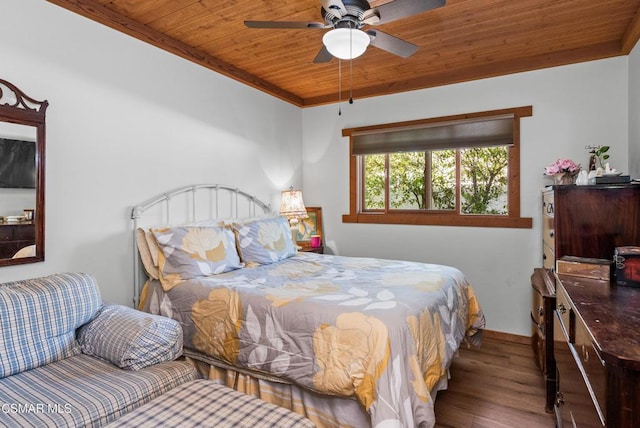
point(310, 226)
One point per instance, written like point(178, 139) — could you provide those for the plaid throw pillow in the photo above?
point(131, 339)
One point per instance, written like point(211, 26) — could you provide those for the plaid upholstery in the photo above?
point(38, 319)
point(83, 391)
point(203, 403)
point(131, 339)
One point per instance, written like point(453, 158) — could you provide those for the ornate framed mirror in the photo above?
point(22, 154)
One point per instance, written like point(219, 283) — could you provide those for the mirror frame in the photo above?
point(17, 107)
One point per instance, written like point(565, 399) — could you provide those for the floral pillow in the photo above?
point(265, 240)
point(194, 252)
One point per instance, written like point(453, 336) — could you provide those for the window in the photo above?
point(458, 170)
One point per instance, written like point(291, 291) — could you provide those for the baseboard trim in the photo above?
point(507, 337)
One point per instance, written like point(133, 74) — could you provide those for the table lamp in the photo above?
point(292, 207)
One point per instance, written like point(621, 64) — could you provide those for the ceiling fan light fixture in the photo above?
point(346, 43)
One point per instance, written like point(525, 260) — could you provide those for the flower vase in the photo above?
point(563, 179)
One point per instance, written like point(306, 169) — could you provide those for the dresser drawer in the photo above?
point(564, 313)
point(6, 233)
point(537, 329)
point(537, 310)
point(548, 204)
point(25, 233)
point(542, 307)
point(548, 233)
point(7, 249)
point(574, 405)
point(593, 364)
point(548, 257)
point(586, 386)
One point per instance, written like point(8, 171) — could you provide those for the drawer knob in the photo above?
point(551, 234)
point(540, 311)
point(561, 308)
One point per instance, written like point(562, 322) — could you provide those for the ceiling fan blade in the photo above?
point(391, 43)
point(284, 24)
point(371, 17)
point(399, 9)
point(336, 7)
point(323, 56)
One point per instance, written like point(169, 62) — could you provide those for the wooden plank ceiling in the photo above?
point(461, 41)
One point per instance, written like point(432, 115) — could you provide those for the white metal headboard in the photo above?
point(189, 204)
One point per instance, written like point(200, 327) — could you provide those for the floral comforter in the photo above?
point(381, 331)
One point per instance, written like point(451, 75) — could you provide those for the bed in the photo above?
point(345, 341)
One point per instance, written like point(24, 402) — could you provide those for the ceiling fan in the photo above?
point(346, 18)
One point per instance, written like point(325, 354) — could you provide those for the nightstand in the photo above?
point(319, 250)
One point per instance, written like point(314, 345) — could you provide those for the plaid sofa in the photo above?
point(69, 360)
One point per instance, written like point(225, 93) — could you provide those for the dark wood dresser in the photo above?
point(580, 221)
point(597, 353)
point(14, 236)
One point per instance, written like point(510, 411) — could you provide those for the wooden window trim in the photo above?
point(512, 220)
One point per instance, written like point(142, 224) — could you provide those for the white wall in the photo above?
point(634, 112)
point(127, 121)
point(573, 106)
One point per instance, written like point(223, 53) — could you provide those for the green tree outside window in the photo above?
point(427, 180)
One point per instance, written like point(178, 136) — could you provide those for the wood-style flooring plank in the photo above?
point(495, 386)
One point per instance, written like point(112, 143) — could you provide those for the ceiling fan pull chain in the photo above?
point(350, 81)
point(350, 66)
point(339, 87)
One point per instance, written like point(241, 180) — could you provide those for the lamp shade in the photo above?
point(346, 43)
point(292, 205)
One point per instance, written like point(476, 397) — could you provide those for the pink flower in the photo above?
point(561, 166)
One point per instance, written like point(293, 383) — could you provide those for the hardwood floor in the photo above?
point(498, 385)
